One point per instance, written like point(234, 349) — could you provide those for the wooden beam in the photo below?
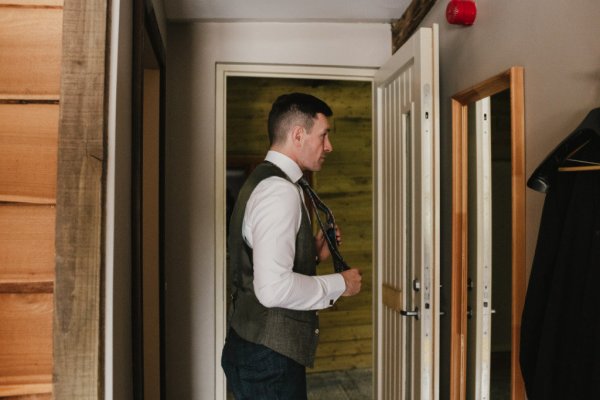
point(403, 28)
point(79, 300)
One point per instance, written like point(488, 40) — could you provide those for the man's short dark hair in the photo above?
point(294, 109)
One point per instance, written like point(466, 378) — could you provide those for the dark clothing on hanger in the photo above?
point(560, 329)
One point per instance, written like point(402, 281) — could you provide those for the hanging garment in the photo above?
point(560, 326)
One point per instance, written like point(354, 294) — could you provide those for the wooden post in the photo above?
point(403, 28)
point(79, 300)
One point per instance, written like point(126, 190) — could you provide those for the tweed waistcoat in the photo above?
point(292, 333)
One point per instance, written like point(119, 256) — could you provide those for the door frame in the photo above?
point(510, 79)
point(146, 37)
point(223, 71)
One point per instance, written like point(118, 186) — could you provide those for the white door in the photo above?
point(407, 194)
point(480, 253)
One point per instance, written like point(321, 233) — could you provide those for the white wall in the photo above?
point(118, 364)
point(193, 51)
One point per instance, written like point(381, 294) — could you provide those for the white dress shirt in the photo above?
point(271, 222)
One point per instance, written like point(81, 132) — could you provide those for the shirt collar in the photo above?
point(286, 164)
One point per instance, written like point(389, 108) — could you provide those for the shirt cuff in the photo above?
point(336, 286)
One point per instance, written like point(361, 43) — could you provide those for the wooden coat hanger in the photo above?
point(583, 141)
point(580, 165)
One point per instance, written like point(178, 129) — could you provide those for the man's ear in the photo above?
point(298, 133)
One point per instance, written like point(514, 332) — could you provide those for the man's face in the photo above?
point(315, 145)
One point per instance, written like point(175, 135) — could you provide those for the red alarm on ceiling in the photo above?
point(461, 12)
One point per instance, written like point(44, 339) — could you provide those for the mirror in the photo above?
point(488, 238)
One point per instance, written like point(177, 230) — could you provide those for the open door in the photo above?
point(407, 158)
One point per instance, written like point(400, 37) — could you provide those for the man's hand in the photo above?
point(353, 279)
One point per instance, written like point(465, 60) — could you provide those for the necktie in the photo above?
point(339, 264)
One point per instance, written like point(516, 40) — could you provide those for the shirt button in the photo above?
point(317, 331)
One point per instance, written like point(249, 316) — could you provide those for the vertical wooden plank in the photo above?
point(519, 275)
point(78, 339)
point(459, 248)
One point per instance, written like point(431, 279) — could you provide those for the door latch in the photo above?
point(414, 313)
point(416, 285)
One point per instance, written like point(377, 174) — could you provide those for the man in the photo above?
point(273, 256)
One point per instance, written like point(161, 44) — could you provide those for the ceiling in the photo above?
point(285, 10)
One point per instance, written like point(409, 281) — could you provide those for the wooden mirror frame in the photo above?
point(511, 79)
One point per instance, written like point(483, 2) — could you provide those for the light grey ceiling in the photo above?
point(285, 10)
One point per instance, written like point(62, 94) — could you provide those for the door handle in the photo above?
point(414, 313)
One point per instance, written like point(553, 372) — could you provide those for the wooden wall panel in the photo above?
point(28, 143)
point(32, 3)
point(26, 243)
point(44, 396)
point(30, 51)
point(26, 343)
point(30, 57)
point(344, 184)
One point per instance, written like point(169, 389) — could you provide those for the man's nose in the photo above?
point(328, 146)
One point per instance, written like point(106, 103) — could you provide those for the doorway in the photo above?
point(424, 117)
point(345, 184)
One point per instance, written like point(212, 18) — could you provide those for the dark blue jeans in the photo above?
point(256, 372)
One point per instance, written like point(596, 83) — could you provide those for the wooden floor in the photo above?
point(357, 384)
point(354, 384)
